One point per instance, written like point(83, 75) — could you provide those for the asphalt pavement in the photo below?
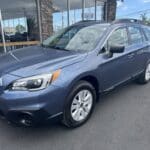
point(121, 121)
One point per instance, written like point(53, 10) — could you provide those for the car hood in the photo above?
point(36, 60)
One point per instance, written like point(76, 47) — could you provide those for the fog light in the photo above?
point(26, 120)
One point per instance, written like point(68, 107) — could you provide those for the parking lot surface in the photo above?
point(121, 121)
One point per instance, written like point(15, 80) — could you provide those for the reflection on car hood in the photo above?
point(35, 60)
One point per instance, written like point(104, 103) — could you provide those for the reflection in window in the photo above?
point(99, 8)
point(12, 26)
point(75, 11)
point(147, 32)
point(59, 20)
point(76, 38)
point(89, 13)
point(119, 37)
point(135, 34)
point(86, 39)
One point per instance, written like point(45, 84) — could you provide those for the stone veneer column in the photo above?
point(46, 11)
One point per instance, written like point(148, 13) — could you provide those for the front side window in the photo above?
point(118, 38)
point(135, 35)
point(77, 38)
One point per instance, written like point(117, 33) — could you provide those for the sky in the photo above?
point(133, 8)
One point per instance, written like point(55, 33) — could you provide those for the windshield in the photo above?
point(76, 38)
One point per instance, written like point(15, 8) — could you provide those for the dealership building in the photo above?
point(28, 22)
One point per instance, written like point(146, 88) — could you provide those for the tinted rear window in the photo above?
point(147, 32)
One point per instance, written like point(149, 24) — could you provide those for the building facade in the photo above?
point(88, 9)
point(35, 20)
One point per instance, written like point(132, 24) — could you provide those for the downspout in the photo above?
point(3, 35)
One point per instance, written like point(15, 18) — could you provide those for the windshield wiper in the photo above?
point(54, 47)
point(59, 48)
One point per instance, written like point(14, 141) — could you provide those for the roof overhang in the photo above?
point(20, 8)
point(74, 4)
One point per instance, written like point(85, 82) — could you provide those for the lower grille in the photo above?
point(1, 114)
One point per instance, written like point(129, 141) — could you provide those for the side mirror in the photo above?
point(117, 49)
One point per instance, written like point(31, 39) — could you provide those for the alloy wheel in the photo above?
point(81, 105)
point(147, 73)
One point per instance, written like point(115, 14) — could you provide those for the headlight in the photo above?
point(34, 83)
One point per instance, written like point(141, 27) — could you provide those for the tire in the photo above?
point(144, 78)
point(79, 109)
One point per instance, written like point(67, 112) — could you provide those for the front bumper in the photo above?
point(29, 108)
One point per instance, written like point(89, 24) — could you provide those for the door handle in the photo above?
point(131, 55)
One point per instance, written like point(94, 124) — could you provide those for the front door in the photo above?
point(115, 69)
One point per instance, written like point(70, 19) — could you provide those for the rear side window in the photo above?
point(135, 35)
point(147, 32)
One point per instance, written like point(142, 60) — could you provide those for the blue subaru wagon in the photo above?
point(62, 78)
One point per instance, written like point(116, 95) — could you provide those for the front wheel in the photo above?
point(145, 76)
point(80, 104)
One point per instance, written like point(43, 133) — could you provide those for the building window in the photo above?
point(92, 11)
point(99, 10)
point(89, 12)
point(59, 20)
point(75, 11)
point(20, 24)
point(13, 27)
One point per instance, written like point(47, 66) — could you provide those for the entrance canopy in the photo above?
point(20, 8)
point(17, 8)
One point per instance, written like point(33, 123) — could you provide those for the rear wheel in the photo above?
point(80, 105)
point(145, 76)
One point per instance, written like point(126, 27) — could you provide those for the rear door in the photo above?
point(137, 49)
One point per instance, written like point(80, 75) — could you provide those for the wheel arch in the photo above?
point(92, 79)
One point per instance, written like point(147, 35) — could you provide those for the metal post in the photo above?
point(39, 19)
point(2, 30)
point(62, 19)
point(74, 16)
point(83, 9)
point(95, 9)
point(68, 11)
point(106, 11)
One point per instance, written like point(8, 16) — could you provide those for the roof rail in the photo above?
point(128, 21)
point(82, 21)
point(89, 21)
